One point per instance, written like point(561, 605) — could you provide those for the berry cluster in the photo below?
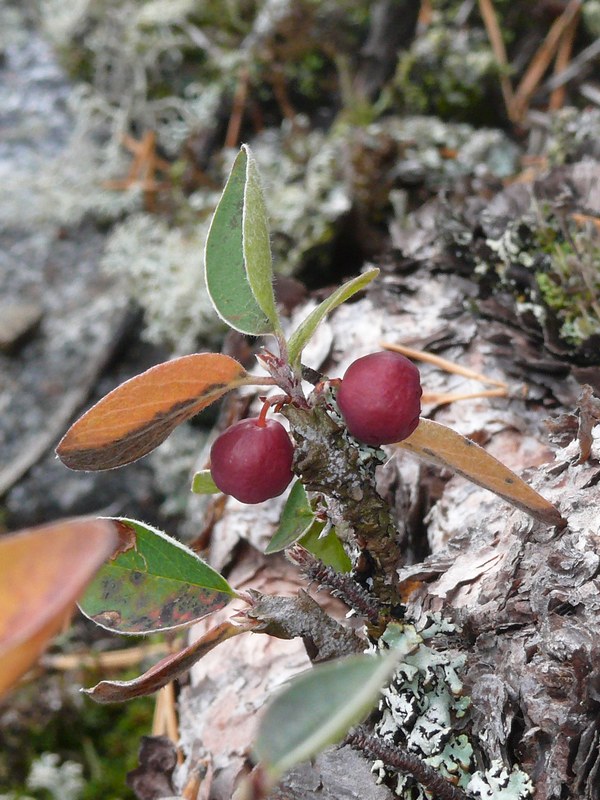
point(380, 401)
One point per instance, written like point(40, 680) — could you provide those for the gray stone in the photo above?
point(18, 322)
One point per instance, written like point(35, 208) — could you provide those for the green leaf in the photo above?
point(327, 549)
point(319, 707)
point(257, 248)
point(296, 519)
point(306, 329)
point(153, 583)
point(226, 276)
point(202, 483)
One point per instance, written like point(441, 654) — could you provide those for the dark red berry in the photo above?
point(252, 460)
point(380, 398)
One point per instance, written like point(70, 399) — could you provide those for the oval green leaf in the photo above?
point(441, 445)
point(256, 244)
point(319, 707)
point(153, 583)
point(301, 336)
point(296, 519)
point(202, 483)
point(327, 549)
point(139, 414)
point(226, 278)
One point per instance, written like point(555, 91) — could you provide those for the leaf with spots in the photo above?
point(154, 584)
point(139, 414)
point(441, 445)
point(44, 570)
point(166, 670)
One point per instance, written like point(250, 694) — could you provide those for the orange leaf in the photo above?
point(139, 414)
point(44, 570)
point(441, 445)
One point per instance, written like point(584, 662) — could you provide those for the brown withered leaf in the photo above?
point(443, 446)
point(166, 670)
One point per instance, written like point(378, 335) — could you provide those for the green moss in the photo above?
point(448, 71)
point(571, 286)
point(48, 717)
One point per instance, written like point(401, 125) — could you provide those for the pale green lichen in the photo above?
point(572, 133)
point(162, 267)
point(421, 705)
point(499, 783)
point(306, 193)
point(63, 781)
point(421, 709)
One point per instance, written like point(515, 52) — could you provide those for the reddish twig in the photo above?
point(340, 585)
point(400, 759)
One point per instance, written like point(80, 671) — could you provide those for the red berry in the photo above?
point(380, 398)
point(252, 460)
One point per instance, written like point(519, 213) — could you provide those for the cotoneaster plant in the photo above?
point(151, 582)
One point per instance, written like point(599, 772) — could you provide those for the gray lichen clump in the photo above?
point(425, 710)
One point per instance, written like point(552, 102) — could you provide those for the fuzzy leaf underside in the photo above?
point(318, 707)
point(257, 248)
point(226, 274)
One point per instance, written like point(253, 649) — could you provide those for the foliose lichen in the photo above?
point(424, 710)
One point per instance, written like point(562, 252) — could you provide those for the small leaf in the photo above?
point(318, 708)
point(44, 570)
point(327, 549)
point(139, 414)
point(306, 329)
point(296, 518)
point(226, 278)
point(257, 248)
point(154, 583)
point(441, 445)
point(202, 483)
point(166, 670)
